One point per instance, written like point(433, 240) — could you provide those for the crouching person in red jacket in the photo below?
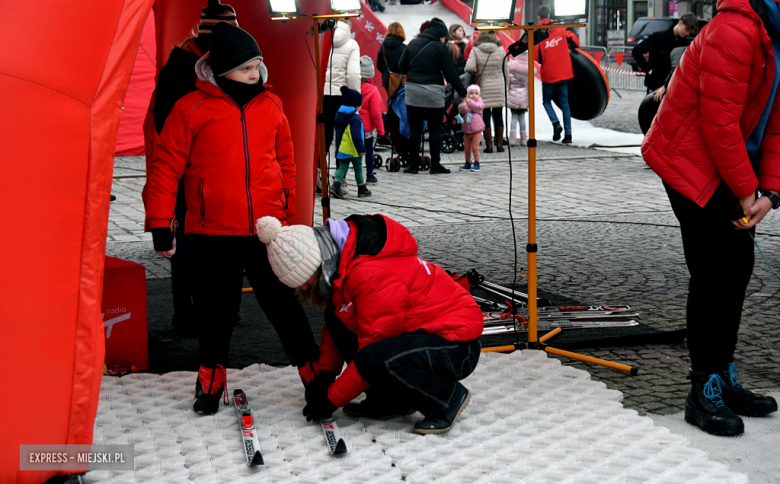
point(407, 331)
point(230, 142)
point(715, 142)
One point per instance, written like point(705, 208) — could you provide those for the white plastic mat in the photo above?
point(530, 420)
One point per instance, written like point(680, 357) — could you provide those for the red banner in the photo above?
point(618, 59)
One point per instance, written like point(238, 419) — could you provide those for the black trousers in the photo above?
point(496, 114)
point(414, 370)
point(330, 106)
point(182, 285)
point(416, 118)
point(720, 261)
point(220, 261)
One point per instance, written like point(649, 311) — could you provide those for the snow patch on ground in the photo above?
point(530, 419)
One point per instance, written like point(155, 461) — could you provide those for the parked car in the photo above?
point(645, 26)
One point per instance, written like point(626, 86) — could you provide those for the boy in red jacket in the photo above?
point(406, 329)
point(715, 142)
point(370, 114)
point(233, 138)
point(553, 55)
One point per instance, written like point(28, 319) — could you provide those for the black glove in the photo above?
point(318, 405)
point(162, 237)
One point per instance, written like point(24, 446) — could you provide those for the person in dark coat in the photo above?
point(427, 62)
point(659, 46)
point(176, 80)
point(390, 51)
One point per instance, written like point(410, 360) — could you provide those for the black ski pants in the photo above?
point(220, 261)
point(182, 286)
point(414, 370)
point(720, 262)
point(416, 118)
point(330, 106)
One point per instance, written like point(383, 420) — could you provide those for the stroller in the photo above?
point(397, 135)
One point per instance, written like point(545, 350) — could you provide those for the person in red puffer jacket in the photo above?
point(370, 114)
point(714, 142)
point(553, 55)
point(229, 140)
point(407, 330)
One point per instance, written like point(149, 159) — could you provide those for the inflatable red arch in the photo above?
point(63, 78)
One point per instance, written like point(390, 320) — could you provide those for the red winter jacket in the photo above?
point(553, 55)
point(237, 163)
point(714, 102)
point(371, 109)
point(393, 292)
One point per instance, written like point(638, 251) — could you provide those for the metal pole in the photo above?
point(531, 249)
point(321, 126)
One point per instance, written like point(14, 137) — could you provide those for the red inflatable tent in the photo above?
point(63, 79)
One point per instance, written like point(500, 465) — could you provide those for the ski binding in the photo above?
point(246, 423)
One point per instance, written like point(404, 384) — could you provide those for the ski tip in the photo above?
point(341, 447)
point(257, 460)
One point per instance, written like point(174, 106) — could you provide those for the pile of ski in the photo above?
point(498, 320)
point(246, 423)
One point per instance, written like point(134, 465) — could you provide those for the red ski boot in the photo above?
point(211, 385)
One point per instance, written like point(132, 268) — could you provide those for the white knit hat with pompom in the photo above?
point(293, 250)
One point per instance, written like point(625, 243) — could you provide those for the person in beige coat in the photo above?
point(343, 70)
point(486, 59)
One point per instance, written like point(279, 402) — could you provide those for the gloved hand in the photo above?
point(459, 119)
point(318, 405)
point(468, 117)
point(162, 237)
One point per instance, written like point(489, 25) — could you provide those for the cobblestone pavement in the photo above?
point(605, 232)
point(621, 112)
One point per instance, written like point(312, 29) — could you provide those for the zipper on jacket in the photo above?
point(246, 160)
point(202, 197)
point(285, 194)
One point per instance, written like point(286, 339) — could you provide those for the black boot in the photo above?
point(375, 408)
point(705, 407)
point(336, 191)
point(210, 387)
point(443, 421)
point(412, 168)
point(557, 130)
point(437, 169)
point(741, 400)
point(566, 139)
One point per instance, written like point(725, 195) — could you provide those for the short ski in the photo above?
point(333, 436)
point(246, 423)
point(558, 323)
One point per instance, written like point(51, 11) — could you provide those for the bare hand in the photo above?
point(169, 253)
point(361, 154)
point(659, 94)
point(650, 73)
point(755, 212)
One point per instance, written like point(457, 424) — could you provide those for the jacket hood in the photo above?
point(343, 115)
point(487, 48)
point(206, 74)
point(342, 34)
point(487, 39)
point(378, 237)
point(393, 41)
